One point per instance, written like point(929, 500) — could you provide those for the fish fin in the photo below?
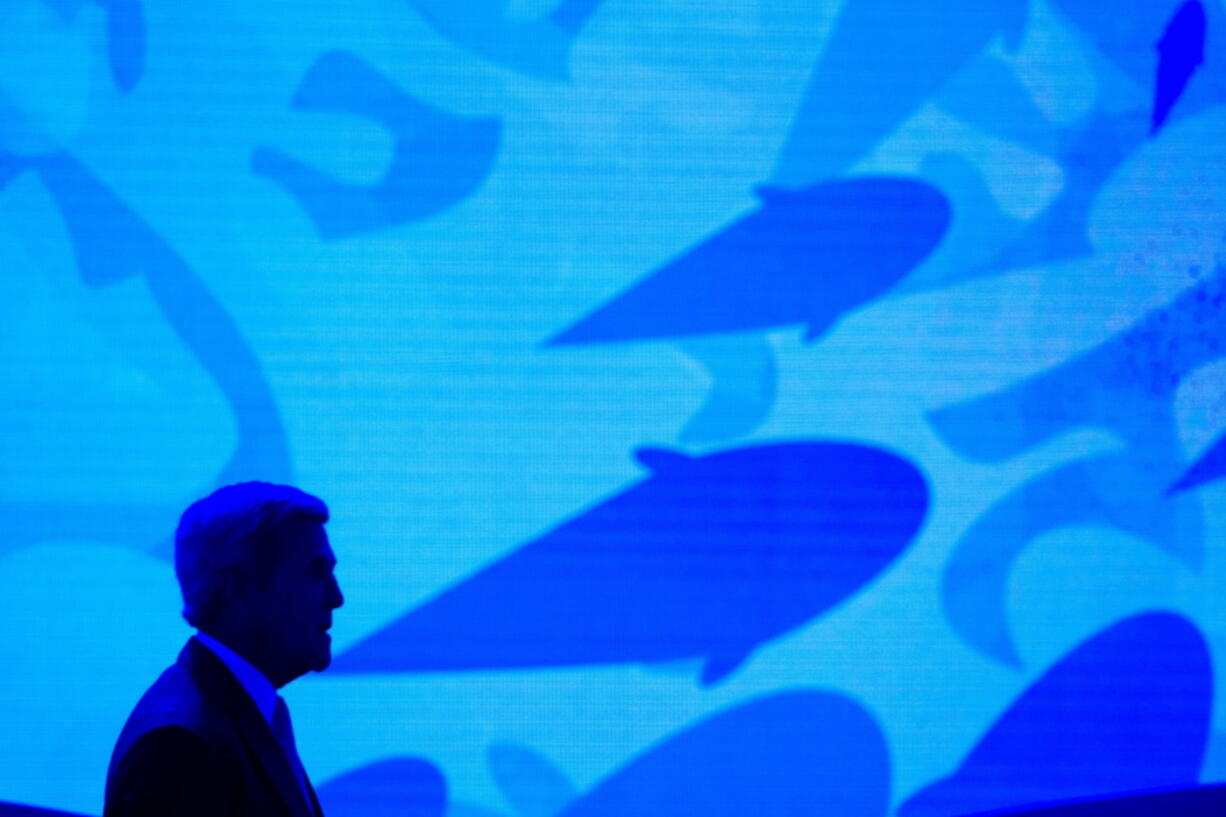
point(660, 460)
point(720, 665)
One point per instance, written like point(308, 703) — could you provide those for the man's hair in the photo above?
point(233, 531)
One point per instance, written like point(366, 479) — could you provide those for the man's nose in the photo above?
point(336, 598)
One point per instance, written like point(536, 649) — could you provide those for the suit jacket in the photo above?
point(197, 746)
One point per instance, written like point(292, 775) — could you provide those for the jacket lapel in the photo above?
point(222, 688)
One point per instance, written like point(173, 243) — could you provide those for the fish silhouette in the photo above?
point(804, 256)
point(789, 753)
point(1128, 709)
point(438, 159)
point(1181, 51)
point(880, 64)
point(537, 47)
point(709, 556)
point(392, 787)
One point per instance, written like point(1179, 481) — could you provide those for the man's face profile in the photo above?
point(289, 611)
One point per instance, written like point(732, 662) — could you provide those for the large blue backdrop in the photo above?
point(726, 407)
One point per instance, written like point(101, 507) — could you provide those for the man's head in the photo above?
point(255, 569)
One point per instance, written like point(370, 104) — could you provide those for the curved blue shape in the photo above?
point(1128, 709)
point(1126, 385)
point(528, 781)
point(125, 29)
point(1125, 35)
point(1089, 153)
point(539, 48)
point(709, 557)
point(438, 159)
point(975, 579)
point(111, 243)
point(395, 787)
point(743, 376)
point(1181, 51)
point(881, 63)
point(801, 752)
point(1209, 467)
point(805, 256)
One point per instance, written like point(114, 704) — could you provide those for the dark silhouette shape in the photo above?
point(882, 62)
point(528, 781)
point(1181, 51)
point(111, 244)
point(15, 810)
point(805, 256)
point(709, 557)
point(796, 752)
point(1184, 801)
point(1128, 709)
point(1125, 35)
point(1109, 490)
point(539, 48)
point(395, 787)
point(1208, 468)
point(438, 159)
point(211, 736)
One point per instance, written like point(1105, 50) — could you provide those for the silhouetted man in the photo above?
point(212, 736)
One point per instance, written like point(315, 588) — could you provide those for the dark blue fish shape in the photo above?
point(125, 36)
point(1124, 33)
point(111, 243)
point(1181, 51)
point(438, 159)
point(800, 752)
point(804, 256)
point(710, 556)
point(1128, 709)
point(392, 787)
point(536, 47)
point(881, 63)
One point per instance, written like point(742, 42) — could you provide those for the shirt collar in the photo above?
point(261, 690)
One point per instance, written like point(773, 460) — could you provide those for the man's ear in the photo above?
point(234, 587)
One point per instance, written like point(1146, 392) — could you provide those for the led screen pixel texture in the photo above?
point(729, 407)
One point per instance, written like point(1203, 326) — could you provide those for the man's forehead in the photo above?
point(309, 540)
